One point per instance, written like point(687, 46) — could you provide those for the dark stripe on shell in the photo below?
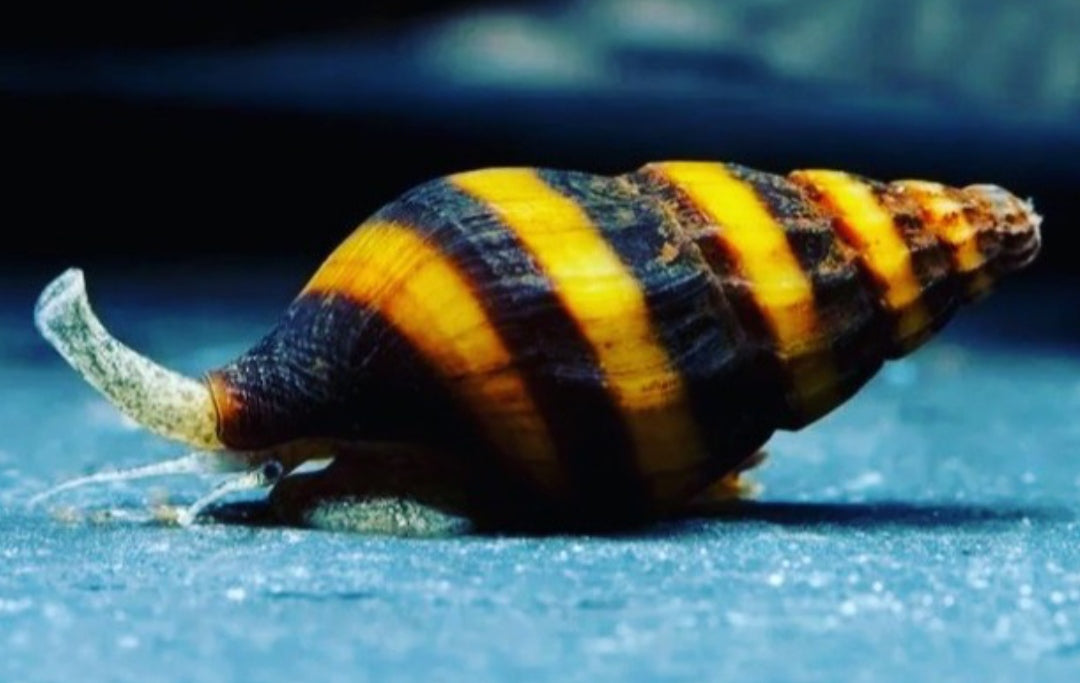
point(931, 259)
point(336, 369)
point(556, 361)
point(766, 381)
point(701, 334)
point(847, 314)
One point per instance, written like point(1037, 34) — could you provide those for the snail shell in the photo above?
point(555, 348)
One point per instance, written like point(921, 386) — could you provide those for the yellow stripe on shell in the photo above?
point(781, 289)
point(870, 229)
point(602, 295)
point(389, 268)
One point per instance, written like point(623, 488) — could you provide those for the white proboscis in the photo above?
point(161, 400)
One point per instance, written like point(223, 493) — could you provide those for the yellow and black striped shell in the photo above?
point(607, 347)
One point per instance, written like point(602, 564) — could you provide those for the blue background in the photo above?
point(200, 159)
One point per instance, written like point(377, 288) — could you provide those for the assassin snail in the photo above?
point(524, 347)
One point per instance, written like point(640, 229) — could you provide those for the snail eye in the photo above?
point(270, 471)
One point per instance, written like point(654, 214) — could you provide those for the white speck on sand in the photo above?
point(236, 594)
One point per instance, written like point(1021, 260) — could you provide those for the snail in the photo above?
point(532, 348)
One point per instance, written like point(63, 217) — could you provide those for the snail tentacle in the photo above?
point(192, 463)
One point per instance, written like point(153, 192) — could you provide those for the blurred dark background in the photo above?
point(234, 131)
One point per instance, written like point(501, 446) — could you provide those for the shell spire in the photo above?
point(161, 400)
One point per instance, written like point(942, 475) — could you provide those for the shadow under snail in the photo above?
point(544, 349)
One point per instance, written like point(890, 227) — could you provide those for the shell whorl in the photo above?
point(834, 273)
